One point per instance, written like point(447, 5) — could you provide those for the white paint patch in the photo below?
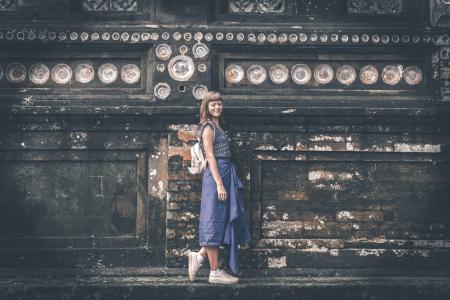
point(334, 252)
point(152, 172)
point(288, 148)
point(248, 176)
point(349, 147)
point(422, 148)
point(326, 138)
point(288, 111)
point(322, 148)
point(276, 262)
point(285, 216)
point(370, 252)
point(345, 215)
point(266, 147)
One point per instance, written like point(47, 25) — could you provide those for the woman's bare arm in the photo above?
point(207, 136)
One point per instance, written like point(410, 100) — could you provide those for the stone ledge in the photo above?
point(39, 284)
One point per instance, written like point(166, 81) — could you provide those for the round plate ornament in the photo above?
point(16, 72)
point(368, 74)
point(200, 50)
point(234, 74)
point(346, 74)
point(163, 51)
point(392, 74)
point(162, 91)
point(279, 73)
point(130, 74)
point(84, 73)
point(412, 75)
point(199, 92)
point(323, 73)
point(301, 74)
point(61, 73)
point(256, 74)
point(181, 68)
point(39, 73)
point(107, 73)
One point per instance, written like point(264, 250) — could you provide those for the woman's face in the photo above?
point(215, 108)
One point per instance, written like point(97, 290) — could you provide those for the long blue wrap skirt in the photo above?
point(223, 222)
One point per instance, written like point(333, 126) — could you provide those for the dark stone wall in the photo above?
point(94, 173)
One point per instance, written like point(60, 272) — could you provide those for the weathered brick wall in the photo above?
point(326, 196)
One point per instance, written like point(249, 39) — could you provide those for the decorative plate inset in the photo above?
point(256, 74)
point(130, 74)
point(234, 74)
point(199, 92)
point(162, 91)
point(278, 73)
point(368, 74)
point(392, 74)
point(412, 75)
point(323, 73)
point(61, 73)
point(346, 74)
point(200, 50)
point(39, 73)
point(181, 68)
point(163, 51)
point(84, 73)
point(301, 74)
point(107, 73)
point(16, 72)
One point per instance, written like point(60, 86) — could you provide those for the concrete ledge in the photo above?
point(169, 284)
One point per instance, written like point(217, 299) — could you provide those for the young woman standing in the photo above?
point(222, 212)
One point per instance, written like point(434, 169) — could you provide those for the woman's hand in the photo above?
point(222, 192)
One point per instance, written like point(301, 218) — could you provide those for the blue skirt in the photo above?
point(223, 222)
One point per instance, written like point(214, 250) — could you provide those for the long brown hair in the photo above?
point(204, 112)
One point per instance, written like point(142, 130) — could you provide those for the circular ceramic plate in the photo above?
point(163, 51)
point(181, 68)
point(234, 74)
point(107, 73)
point(368, 74)
point(256, 74)
point(200, 50)
point(301, 74)
point(346, 74)
point(16, 72)
point(39, 73)
point(199, 91)
point(130, 74)
point(412, 75)
point(392, 74)
point(323, 73)
point(162, 91)
point(279, 73)
point(61, 73)
point(84, 73)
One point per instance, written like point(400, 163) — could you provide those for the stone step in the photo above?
point(160, 283)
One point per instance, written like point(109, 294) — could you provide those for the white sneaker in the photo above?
point(223, 278)
point(194, 265)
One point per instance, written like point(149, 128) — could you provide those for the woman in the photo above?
point(222, 214)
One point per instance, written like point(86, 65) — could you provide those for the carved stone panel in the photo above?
point(110, 5)
point(7, 5)
point(257, 6)
point(440, 13)
point(375, 7)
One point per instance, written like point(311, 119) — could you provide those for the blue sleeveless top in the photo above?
point(221, 144)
